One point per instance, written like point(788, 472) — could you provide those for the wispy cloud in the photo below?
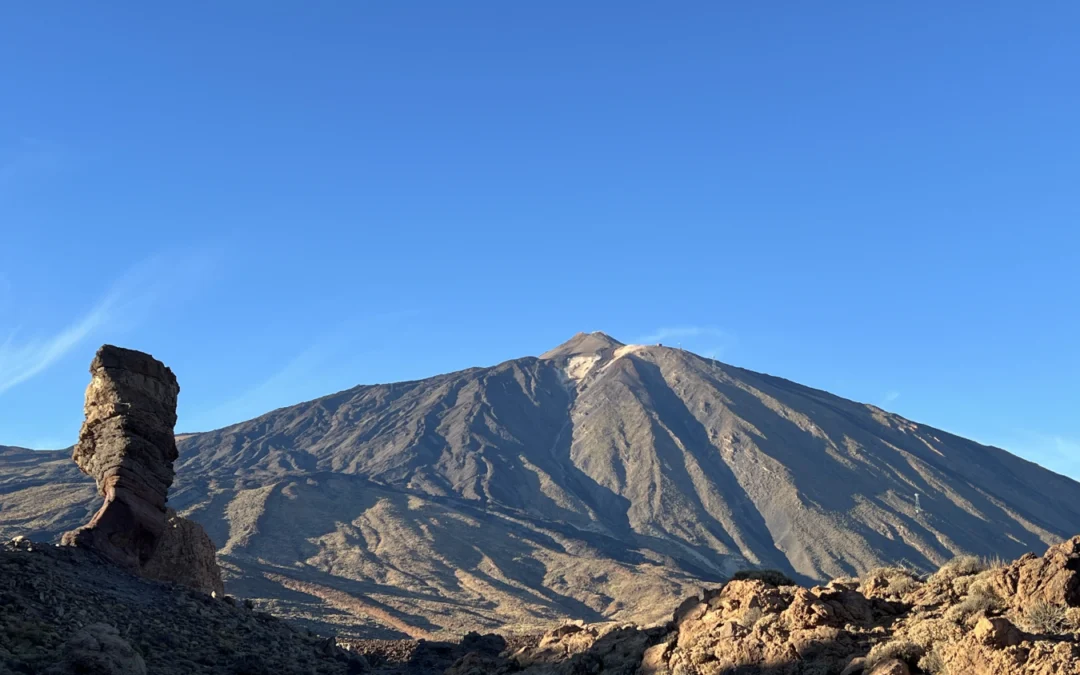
point(709, 341)
point(21, 361)
point(316, 370)
point(284, 387)
point(674, 332)
point(123, 306)
point(890, 396)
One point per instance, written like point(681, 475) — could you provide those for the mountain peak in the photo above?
point(583, 343)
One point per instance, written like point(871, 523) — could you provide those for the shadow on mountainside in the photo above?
point(694, 438)
point(434, 559)
point(852, 458)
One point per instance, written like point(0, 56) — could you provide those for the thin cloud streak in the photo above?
point(670, 332)
point(313, 372)
point(125, 305)
point(20, 362)
point(711, 342)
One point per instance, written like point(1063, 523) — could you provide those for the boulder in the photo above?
point(185, 555)
point(1054, 578)
point(98, 649)
point(997, 632)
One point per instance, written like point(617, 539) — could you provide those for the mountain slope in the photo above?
point(599, 480)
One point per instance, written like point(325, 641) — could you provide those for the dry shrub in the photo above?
point(994, 562)
point(960, 566)
point(773, 577)
point(978, 584)
point(1046, 617)
point(898, 581)
point(885, 572)
point(933, 663)
point(929, 632)
point(901, 586)
point(980, 599)
point(905, 650)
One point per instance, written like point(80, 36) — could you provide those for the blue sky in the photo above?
point(281, 200)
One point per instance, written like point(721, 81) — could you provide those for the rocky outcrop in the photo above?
point(67, 611)
point(951, 623)
point(127, 445)
point(1054, 578)
point(185, 555)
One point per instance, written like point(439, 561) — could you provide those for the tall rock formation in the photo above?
point(126, 444)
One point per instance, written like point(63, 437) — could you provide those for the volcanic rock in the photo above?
point(127, 444)
point(1054, 578)
point(65, 610)
point(185, 555)
point(753, 627)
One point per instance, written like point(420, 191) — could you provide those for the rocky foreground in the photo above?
point(67, 610)
point(969, 618)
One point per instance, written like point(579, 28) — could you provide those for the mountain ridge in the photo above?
point(598, 480)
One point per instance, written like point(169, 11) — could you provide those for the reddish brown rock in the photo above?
point(1054, 578)
point(808, 611)
point(127, 444)
point(185, 555)
point(753, 628)
point(971, 656)
point(997, 632)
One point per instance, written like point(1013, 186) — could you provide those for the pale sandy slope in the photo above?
point(598, 480)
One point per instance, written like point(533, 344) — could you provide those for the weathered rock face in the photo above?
point(127, 445)
point(1053, 578)
point(185, 555)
